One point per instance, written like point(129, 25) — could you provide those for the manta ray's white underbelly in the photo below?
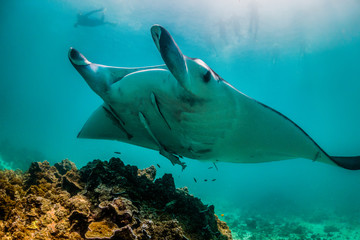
point(246, 131)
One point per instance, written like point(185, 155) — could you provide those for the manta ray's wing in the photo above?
point(104, 124)
point(101, 77)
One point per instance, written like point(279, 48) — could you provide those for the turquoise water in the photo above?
point(301, 58)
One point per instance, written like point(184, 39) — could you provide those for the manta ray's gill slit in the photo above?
point(117, 121)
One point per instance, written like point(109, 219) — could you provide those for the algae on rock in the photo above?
point(103, 200)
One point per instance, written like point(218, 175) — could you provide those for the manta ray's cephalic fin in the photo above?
point(172, 55)
point(173, 159)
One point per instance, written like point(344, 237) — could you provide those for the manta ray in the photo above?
point(185, 109)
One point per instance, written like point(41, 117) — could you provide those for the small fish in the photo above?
point(213, 180)
point(205, 180)
point(119, 193)
point(222, 215)
point(216, 166)
point(195, 180)
point(117, 152)
point(158, 165)
point(170, 203)
point(210, 167)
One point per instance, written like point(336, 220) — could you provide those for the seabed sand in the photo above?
point(319, 224)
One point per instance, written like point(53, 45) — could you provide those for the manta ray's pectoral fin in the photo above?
point(155, 104)
point(100, 77)
point(102, 124)
point(173, 159)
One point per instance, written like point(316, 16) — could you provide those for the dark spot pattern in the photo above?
point(207, 77)
point(191, 99)
point(203, 151)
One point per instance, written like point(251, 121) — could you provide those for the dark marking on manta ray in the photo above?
point(158, 165)
point(191, 100)
point(77, 56)
point(205, 180)
point(190, 149)
point(203, 151)
point(217, 75)
point(207, 77)
point(117, 122)
point(316, 157)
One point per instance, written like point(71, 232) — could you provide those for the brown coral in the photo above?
point(149, 173)
point(103, 200)
point(101, 230)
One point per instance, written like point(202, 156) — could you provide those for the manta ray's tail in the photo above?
point(351, 163)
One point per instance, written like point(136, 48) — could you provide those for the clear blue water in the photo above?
point(301, 58)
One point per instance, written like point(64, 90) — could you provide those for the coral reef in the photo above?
point(103, 200)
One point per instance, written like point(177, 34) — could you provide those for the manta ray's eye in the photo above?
point(207, 77)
